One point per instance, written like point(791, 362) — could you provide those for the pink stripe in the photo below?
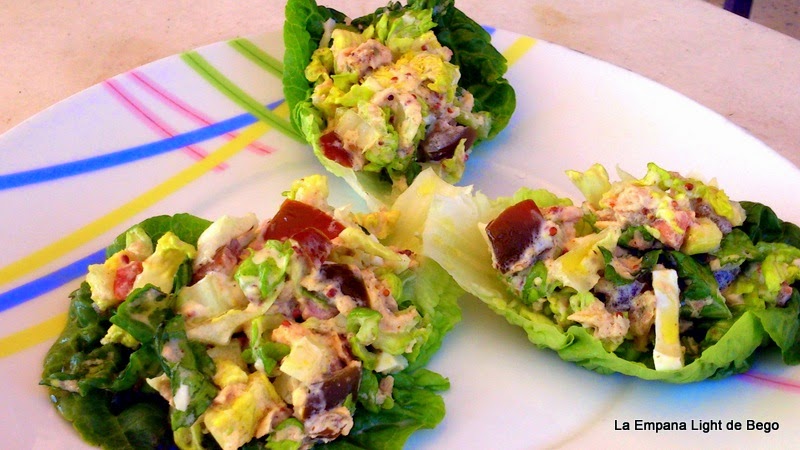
point(187, 109)
point(150, 119)
point(782, 384)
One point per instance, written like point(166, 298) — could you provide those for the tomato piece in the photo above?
point(124, 278)
point(334, 150)
point(294, 216)
point(314, 245)
point(513, 232)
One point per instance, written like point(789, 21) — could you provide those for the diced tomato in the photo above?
point(314, 245)
point(333, 149)
point(513, 232)
point(294, 216)
point(124, 278)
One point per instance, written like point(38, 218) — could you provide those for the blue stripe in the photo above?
point(49, 282)
point(489, 29)
point(73, 168)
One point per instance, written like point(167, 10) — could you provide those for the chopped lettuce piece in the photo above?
point(593, 183)
point(210, 297)
point(356, 239)
point(262, 275)
point(363, 324)
point(700, 295)
point(235, 421)
point(160, 268)
point(579, 268)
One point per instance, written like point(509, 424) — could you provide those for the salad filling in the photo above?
point(661, 277)
point(387, 95)
point(295, 331)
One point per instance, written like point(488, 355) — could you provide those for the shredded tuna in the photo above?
point(329, 425)
point(642, 316)
point(364, 58)
point(607, 326)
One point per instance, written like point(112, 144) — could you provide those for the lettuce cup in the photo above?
point(382, 97)
point(661, 277)
point(299, 330)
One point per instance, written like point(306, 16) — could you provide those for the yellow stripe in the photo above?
point(516, 50)
point(83, 235)
point(45, 331)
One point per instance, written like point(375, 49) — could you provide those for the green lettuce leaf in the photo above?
point(186, 226)
point(143, 363)
point(100, 388)
point(699, 286)
point(735, 248)
point(109, 418)
point(435, 295)
point(482, 66)
point(143, 312)
point(189, 367)
point(116, 421)
point(82, 334)
point(762, 224)
point(302, 32)
point(417, 405)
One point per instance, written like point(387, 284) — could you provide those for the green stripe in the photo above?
point(258, 56)
point(241, 98)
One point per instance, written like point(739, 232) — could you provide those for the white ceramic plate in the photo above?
point(79, 173)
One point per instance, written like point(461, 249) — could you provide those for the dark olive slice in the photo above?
point(333, 390)
point(442, 140)
point(348, 281)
